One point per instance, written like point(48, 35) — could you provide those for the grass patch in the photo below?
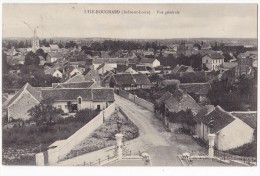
point(20, 144)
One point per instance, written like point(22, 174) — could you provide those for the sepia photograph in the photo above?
point(129, 84)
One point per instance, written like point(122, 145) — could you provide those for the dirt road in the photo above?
point(153, 138)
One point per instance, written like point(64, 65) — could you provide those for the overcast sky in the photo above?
point(193, 21)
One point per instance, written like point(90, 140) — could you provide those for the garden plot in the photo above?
point(104, 136)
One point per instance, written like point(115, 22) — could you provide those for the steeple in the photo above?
point(35, 41)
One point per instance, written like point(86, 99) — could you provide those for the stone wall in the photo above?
point(58, 153)
point(135, 99)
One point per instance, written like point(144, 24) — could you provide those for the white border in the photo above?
point(127, 171)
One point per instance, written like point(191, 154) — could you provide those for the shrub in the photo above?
point(85, 115)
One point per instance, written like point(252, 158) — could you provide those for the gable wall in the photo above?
point(18, 110)
point(234, 135)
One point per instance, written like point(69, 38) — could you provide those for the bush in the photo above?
point(86, 115)
point(248, 150)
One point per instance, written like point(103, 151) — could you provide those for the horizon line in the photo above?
point(115, 38)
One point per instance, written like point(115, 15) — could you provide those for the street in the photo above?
point(162, 146)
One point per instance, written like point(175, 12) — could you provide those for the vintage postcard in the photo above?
point(129, 85)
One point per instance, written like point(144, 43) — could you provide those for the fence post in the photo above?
point(99, 161)
point(84, 163)
point(103, 116)
point(108, 157)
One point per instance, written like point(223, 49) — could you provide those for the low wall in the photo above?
point(58, 153)
point(145, 104)
point(123, 94)
point(88, 158)
point(135, 99)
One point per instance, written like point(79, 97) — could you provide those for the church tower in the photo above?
point(35, 41)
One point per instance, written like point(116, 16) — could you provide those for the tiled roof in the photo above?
point(67, 94)
point(139, 68)
point(110, 60)
point(220, 118)
point(97, 94)
point(100, 66)
point(181, 68)
point(197, 88)
point(103, 94)
point(41, 58)
point(141, 79)
point(180, 101)
point(147, 60)
point(124, 79)
point(197, 74)
point(170, 82)
point(164, 97)
point(216, 55)
point(121, 68)
point(85, 84)
point(131, 79)
point(204, 52)
point(249, 117)
point(33, 91)
point(229, 65)
point(175, 70)
point(86, 71)
point(75, 79)
point(203, 112)
point(206, 45)
point(55, 47)
point(50, 71)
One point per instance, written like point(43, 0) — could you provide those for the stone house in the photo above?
point(52, 57)
point(53, 72)
point(112, 62)
point(91, 74)
point(246, 63)
point(26, 98)
point(149, 62)
point(231, 132)
point(182, 68)
point(213, 61)
point(199, 90)
point(178, 102)
point(103, 68)
point(130, 82)
point(74, 99)
point(105, 79)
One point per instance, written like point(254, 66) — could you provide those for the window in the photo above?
point(59, 106)
point(79, 100)
point(98, 107)
point(206, 61)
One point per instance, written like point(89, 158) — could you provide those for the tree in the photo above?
point(5, 65)
point(44, 113)
point(31, 59)
point(225, 95)
point(40, 52)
